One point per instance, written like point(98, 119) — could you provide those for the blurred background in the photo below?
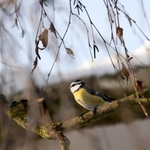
point(21, 24)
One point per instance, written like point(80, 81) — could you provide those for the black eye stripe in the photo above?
point(73, 85)
point(77, 82)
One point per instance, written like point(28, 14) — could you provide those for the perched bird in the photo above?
point(87, 97)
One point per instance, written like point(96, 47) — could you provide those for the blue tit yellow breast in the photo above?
point(87, 100)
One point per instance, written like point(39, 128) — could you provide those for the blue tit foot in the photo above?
point(83, 113)
point(94, 110)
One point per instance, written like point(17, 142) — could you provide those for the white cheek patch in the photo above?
point(75, 88)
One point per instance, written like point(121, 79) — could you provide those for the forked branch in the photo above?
point(18, 111)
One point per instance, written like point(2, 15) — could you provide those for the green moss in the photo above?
point(147, 94)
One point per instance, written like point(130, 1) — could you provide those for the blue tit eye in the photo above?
point(73, 85)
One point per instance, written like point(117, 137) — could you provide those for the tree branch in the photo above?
point(18, 111)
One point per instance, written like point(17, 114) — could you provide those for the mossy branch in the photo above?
point(18, 111)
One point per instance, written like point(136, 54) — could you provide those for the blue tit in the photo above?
point(87, 97)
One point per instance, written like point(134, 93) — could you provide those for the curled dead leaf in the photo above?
point(138, 85)
point(35, 64)
point(43, 37)
point(119, 32)
point(39, 100)
point(69, 51)
point(125, 72)
point(52, 29)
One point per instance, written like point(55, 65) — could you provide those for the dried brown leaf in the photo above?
point(43, 37)
point(138, 85)
point(35, 64)
point(39, 100)
point(69, 51)
point(125, 72)
point(119, 32)
point(52, 29)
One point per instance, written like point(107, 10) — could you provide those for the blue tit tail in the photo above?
point(105, 97)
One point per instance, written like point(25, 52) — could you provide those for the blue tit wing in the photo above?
point(90, 90)
point(105, 97)
point(97, 93)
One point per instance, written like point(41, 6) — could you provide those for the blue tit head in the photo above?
point(76, 85)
